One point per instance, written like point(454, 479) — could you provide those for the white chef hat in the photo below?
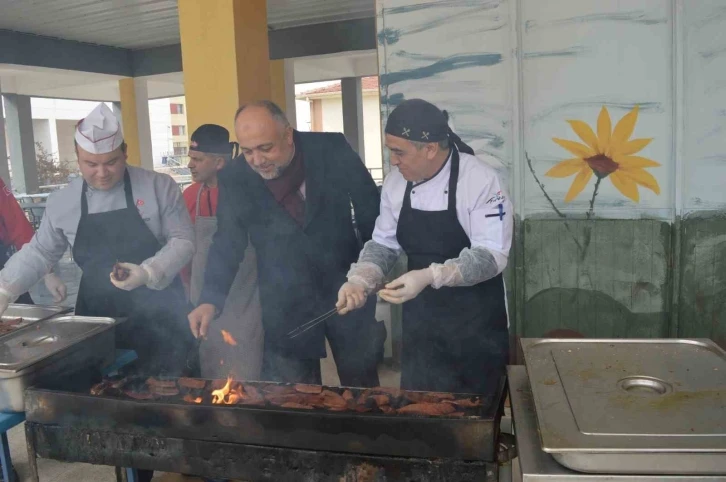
point(99, 132)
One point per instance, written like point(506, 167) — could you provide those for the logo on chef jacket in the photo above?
point(497, 198)
point(7, 191)
point(139, 203)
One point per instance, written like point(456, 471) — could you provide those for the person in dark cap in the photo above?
point(241, 356)
point(446, 210)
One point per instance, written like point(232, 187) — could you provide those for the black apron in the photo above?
point(25, 298)
point(455, 339)
point(156, 328)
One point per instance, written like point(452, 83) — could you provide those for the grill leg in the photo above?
point(132, 475)
point(5, 458)
point(32, 455)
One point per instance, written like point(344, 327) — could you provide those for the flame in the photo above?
point(190, 399)
point(228, 395)
point(228, 339)
point(219, 395)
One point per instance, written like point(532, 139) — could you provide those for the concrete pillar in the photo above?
point(226, 58)
point(19, 121)
point(282, 87)
point(4, 168)
point(135, 121)
point(352, 92)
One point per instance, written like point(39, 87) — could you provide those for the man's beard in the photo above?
point(270, 175)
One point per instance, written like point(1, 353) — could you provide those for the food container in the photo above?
point(48, 349)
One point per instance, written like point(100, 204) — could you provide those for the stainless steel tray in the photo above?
point(655, 406)
point(537, 466)
point(30, 313)
point(48, 349)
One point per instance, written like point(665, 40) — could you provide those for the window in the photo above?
point(181, 151)
point(178, 130)
point(176, 108)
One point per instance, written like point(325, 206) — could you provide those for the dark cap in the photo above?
point(211, 139)
point(418, 120)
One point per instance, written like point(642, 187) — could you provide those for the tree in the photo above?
point(50, 170)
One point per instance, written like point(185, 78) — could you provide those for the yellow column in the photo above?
point(130, 120)
point(277, 83)
point(226, 58)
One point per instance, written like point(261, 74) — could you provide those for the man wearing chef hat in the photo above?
point(116, 213)
point(447, 211)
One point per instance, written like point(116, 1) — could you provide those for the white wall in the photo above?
point(160, 124)
point(333, 122)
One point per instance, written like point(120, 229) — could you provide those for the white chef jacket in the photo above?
point(483, 207)
point(158, 200)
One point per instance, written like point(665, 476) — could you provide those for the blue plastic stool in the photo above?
point(8, 421)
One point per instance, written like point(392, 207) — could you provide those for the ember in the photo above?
point(228, 339)
point(190, 399)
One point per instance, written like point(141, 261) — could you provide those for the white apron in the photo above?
point(241, 316)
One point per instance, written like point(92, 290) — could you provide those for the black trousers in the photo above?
point(356, 352)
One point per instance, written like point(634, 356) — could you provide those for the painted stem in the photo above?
point(541, 186)
point(591, 212)
point(552, 203)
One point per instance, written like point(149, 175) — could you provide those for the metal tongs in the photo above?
point(311, 324)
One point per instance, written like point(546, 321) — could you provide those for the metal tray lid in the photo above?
point(31, 312)
point(31, 344)
point(628, 395)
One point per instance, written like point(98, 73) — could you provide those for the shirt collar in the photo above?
point(444, 167)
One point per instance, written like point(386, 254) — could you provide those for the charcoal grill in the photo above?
point(253, 443)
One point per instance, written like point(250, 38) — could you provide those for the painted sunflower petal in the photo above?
point(624, 129)
point(631, 147)
point(625, 185)
point(566, 168)
point(579, 183)
point(580, 150)
point(585, 133)
point(604, 129)
point(642, 177)
point(633, 162)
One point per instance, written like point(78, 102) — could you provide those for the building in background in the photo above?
point(325, 108)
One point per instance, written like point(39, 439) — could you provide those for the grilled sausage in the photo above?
point(154, 382)
point(121, 274)
point(314, 389)
point(296, 405)
point(431, 409)
point(192, 383)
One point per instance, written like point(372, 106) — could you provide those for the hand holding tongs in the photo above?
point(311, 324)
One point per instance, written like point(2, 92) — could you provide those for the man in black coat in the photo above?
point(290, 194)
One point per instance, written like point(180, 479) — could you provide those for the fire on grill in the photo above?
point(379, 400)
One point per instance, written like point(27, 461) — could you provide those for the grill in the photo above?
point(258, 442)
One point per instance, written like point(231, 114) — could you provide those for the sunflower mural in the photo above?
point(608, 154)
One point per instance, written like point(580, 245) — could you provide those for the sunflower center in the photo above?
point(602, 165)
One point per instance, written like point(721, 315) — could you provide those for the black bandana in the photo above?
point(420, 121)
point(211, 139)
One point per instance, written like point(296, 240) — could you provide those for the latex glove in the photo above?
point(200, 318)
point(56, 287)
point(4, 301)
point(138, 276)
point(351, 296)
point(408, 286)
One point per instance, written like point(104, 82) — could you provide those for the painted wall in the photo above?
point(607, 119)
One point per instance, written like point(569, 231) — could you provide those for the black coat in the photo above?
point(300, 269)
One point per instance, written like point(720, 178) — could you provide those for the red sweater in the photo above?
point(15, 229)
point(207, 207)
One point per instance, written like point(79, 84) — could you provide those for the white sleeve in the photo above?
point(380, 254)
point(36, 258)
point(178, 232)
point(492, 224)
